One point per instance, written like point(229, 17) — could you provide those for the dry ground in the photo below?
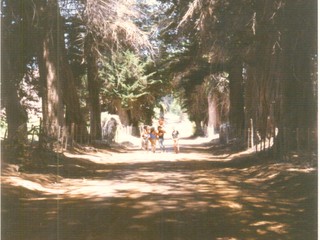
point(202, 193)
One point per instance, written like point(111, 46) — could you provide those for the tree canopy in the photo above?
point(235, 62)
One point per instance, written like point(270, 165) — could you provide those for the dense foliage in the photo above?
point(244, 63)
point(127, 85)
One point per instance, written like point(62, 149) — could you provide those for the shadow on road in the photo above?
point(136, 195)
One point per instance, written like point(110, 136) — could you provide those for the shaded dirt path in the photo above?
point(133, 195)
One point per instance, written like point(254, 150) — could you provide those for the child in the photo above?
point(145, 138)
point(175, 138)
point(153, 139)
point(161, 133)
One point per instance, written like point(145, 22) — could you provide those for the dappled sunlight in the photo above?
point(255, 199)
point(86, 188)
point(266, 226)
point(30, 185)
point(262, 179)
point(305, 170)
point(137, 184)
point(139, 157)
point(227, 238)
point(198, 140)
point(246, 152)
point(143, 192)
point(230, 204)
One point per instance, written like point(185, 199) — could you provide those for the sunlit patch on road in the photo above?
point(140, 192)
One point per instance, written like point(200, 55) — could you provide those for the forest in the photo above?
point(250, 65)
point(246, 70)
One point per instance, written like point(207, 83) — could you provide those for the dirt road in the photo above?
point(198, 194)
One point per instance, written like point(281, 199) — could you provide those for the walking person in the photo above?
point(153, 139)
point(145, 138)
point(161, 133)
point(175, 138)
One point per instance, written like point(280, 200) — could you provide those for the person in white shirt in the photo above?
point(175, 138)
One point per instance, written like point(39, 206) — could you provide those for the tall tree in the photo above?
point(279, 83)
point(129, 87)
point(94, 86)
point(192, 24)
point(16, 50)
point(110, 26)
point(74, 115)
point(223, 37)
point(268, 37)
point(236, 88)
point(52, 99)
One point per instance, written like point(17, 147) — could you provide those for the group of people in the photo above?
point(154, 135)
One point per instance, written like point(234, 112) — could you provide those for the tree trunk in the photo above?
point(198, 130)
point(300, 102)
point(236, 112)
point(212, 116)
point(298, 109)
point(13, 66)
point(123, 113)
point(94, 89)
point(74, 113)
point(279, 84)
point(16, 115)
point(53, 112)
point(135, 125)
